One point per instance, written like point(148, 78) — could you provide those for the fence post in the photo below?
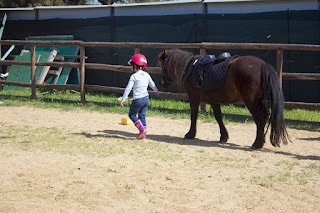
point(202, 104)
point(82, 74)
point(136, 50)
point(280, 66)
point(33, 72)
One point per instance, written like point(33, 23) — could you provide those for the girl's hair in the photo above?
point(138, 67)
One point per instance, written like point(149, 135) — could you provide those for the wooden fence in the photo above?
point(82, 65)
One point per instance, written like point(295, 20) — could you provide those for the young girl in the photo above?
point(139, 82)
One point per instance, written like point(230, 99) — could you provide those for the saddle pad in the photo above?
point(210, 76)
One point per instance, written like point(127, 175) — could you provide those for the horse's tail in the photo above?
point(275, 101)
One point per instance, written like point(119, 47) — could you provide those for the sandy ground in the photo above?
point(161, 174)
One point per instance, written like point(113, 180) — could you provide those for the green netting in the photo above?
point(270, 27)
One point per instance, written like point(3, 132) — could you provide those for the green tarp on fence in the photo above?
point(269, 27)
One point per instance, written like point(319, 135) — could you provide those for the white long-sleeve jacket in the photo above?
point(139, 82)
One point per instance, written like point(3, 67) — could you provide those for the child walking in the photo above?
point(139, 82)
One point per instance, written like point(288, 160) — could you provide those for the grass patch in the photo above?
point(272, 180)
point(229, 162)
point(68, 100)
point(66, 142)
point(308, 173)
point(291, 172)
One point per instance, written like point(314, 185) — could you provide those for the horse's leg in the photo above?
point(260, 116)
point(194, 106)
point(224, 136)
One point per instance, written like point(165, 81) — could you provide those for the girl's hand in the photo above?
point(121, 103)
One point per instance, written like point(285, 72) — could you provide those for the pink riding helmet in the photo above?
point(138, 59)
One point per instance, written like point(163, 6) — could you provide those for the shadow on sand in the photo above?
point(193, 142)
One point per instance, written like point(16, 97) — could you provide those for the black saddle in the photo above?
point(209, 72)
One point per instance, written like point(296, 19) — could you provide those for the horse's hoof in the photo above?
point(254, 146)
point(189, 136)
point(223, 139)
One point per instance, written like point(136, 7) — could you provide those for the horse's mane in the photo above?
point(178, 62)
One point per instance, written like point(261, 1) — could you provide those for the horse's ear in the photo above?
point(162, 53)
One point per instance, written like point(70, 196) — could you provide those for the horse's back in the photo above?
point(246, 69)
point(246, 64)
point(242, 82)
point(246, 72)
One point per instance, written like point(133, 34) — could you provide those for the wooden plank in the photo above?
point(8, 52)
point(58, 75)
point(33, 72)
point(301, 76)
point(82, 74)
point(65, 54)
point(2, 29)
point(204, 45)
point(301, 105)
point(45, 70)
point(53, 72)
point(66, 71)
point(40, 63)
point(21, 73)
point(279, 66)
point(3, 23)
point(51, 37)
point(44, 86)
point(59, 58)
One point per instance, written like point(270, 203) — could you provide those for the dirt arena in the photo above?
point(79, 161)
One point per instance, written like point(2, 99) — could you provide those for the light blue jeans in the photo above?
point(139, 107)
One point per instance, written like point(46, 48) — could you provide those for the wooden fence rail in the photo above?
point(82, 65)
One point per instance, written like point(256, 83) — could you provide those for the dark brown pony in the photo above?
point(248, 79)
